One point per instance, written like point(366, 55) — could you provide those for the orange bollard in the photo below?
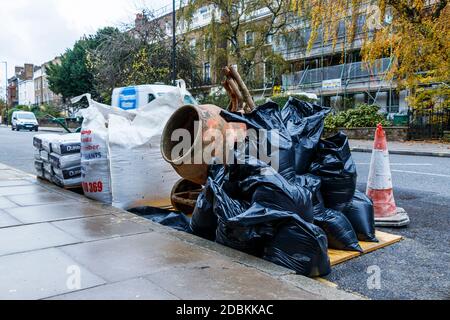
point(380, 186)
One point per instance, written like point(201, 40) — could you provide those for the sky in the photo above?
point(36, 31)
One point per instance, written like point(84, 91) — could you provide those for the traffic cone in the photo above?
point(380, 187)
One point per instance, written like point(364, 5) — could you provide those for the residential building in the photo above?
point(13, 98)
point(26, 92)
point(21, 86)
point(42, 92)
point(335, 73)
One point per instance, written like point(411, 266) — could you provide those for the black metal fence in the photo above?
point(428, 124)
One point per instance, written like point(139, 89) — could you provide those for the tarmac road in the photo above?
point(16, 148)
point(416, 268)
point(419, 266)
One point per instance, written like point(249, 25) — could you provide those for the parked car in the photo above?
point(134, 97)
point(24, 120)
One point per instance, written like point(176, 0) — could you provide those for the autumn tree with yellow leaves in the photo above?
point(226, 34)
point(415, 33)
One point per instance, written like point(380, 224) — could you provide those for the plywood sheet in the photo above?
point(386, 239)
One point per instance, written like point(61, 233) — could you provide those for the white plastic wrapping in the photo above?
point(67, 183)
point(63, 162)
point(66, 144)
point(44, 155)
point(68, 173)
point(39, 138)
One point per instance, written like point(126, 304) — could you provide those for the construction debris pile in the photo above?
point(58, 159)
point(290, 216)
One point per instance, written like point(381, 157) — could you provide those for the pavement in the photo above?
point(412, 148)
point(56, 244)
point(416, 268)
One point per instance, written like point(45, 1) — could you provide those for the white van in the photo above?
point(24, 120)
point(134, 97)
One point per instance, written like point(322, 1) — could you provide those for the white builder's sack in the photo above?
point(67, 144)
point(139, 175)
point(95, 172)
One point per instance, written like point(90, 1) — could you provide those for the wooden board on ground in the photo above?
point(386, 239)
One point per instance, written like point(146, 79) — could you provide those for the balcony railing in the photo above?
point(350, 71)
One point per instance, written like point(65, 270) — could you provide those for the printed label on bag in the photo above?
point(93, 187)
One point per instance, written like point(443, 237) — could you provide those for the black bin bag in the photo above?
point(361, 215)
point(300, 246)
point(338, 229)
point(313, 184)
point(305, 123)
point(337, 170)
point(204, 220)
point(236, 236)
point(271, 134)
point(174, 220)
point(260, 183)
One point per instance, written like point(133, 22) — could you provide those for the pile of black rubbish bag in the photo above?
point(290, 216)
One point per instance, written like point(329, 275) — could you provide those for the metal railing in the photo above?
point(428, 124)
point(350, 71)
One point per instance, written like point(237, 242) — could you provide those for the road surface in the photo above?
point(416, 268)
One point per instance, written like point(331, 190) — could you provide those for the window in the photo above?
point(206, 43)
point(393, 102)
point(168, 27)
point(193, 43)
point(371, 98)
point(360, 23)
point(151, 97)
point(269, 39)
point(207, 72)
point(249, 35)
point(268, 74)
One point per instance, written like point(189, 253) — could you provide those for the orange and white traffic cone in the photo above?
point(380, 186)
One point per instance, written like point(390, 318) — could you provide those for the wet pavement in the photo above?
point(56, 244)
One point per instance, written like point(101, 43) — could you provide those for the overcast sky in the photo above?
point(36, 31)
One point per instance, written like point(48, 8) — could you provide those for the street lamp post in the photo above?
point(174, 44)
point(6, 90)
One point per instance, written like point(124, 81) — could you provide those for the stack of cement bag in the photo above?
point(58, 158)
